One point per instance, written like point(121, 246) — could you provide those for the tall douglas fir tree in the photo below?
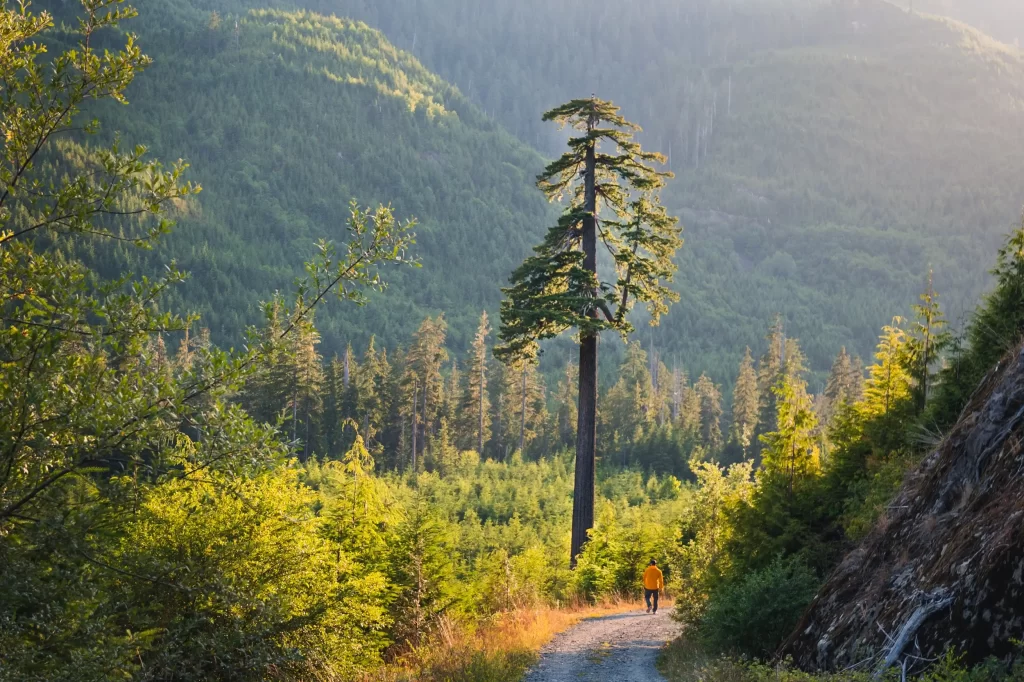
point(559, 287)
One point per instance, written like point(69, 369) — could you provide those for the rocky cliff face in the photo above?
point(945, 566)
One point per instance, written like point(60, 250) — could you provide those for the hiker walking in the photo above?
point(654, 581)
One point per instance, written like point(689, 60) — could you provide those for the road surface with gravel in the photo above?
point(620, 648)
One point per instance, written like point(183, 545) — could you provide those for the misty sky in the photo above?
point(1003, 19)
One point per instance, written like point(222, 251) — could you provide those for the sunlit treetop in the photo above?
point(556, 290)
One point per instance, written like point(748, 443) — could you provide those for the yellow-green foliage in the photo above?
point(510, 522)
point(701, 560)
point(325, 43)
point(249, 578)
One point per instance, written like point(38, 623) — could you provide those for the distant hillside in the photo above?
point(827, 154)
point(285, 120)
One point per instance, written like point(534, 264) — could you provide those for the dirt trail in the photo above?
point(620, 648)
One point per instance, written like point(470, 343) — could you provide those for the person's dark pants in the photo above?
point(647, 598)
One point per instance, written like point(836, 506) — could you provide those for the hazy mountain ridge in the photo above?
point(1002, 18)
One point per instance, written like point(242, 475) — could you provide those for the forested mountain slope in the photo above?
point(286, 119)
point(827, 154)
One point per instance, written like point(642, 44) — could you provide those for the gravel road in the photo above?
point(620, 648)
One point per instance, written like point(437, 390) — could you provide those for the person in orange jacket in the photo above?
point(654, 582)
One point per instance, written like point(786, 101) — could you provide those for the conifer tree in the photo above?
point(372, 393)
point(783, 360)
point(497, 381)
point(340, 404)
point(357, 463)
point(443, 453)
point(745, 404)
point(843, 388)
point(627, 408)
point(999, 323)
point(190, 346)
point(680, 381)
point(307, 384)
point(424, 385)
point(534, 407)
point(662, 398)
point(474, 428)
point(424, 571)
point(558, 288)
point(333, 426)
point(769, 370)
point(191, 353)
point(522, 406)
point(839, 388)
point(856, 382)
point(791, 451)
point(997, 326)
point(689, 413)
point(409, 398)
point(403, 407)
point(452, 394)
point(385, 418)
point(524, 399)
point(349, 385)
point(160, 362)
point(266, 394)
point(888, 389)
point(634, 370)
point(928, 338)
point(710, 414)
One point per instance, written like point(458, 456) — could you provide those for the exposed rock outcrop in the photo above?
point(945, 567)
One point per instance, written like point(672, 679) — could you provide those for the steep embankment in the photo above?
point(288, 116)
point(945, 566)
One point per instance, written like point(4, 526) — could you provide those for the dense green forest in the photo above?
point(184, 500)
point(799, 195)
point(288, 117)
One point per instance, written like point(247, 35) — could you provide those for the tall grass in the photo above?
point(500, 649)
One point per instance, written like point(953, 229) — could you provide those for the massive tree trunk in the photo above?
point(586, 423)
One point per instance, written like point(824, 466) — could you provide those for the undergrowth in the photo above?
point(687, 661)
point(500, 649)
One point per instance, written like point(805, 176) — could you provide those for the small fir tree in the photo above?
point(474, 429)
point(744, 404)
point(928, 339)
point(710, 414)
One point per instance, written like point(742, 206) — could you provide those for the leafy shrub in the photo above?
point(752, 615)
point(246, 583)
point(873, 495)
